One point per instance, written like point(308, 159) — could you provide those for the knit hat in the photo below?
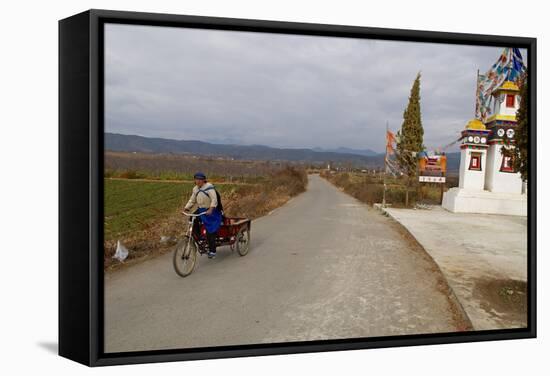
point(199, 175)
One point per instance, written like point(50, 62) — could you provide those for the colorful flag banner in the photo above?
point(392, 167)
point(508, 67)
point(390, 141)
point(391, 164)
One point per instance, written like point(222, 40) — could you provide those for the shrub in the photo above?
point(370, 189)
point(252, 201)
point(131, 174)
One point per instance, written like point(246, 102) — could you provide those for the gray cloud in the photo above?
point(282, 90)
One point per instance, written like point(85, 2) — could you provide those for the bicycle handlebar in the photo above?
point(192, 215)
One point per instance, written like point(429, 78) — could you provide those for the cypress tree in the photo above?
point(519, 153)
point(411, 136)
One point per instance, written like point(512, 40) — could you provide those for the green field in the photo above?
point(131, 205)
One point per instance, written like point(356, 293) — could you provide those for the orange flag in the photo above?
point(390, 140)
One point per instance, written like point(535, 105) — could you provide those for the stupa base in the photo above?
point(458, 200)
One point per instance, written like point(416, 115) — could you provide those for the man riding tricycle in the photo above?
point(208, 228)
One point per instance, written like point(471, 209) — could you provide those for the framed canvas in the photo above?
point(234, 187)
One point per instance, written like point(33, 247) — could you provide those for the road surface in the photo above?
point(323, 266)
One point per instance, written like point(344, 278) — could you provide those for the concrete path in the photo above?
point(324, 266)
point(483, 257)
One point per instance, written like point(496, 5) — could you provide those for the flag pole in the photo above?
point(477, 109)
point(385, 166)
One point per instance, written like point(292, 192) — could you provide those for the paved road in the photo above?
point(323, 266)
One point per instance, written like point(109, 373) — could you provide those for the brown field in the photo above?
point(181, 167)
point(369, 188)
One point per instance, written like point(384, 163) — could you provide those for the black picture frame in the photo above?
point(80, 186)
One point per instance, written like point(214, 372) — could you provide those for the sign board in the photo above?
point(431, 179)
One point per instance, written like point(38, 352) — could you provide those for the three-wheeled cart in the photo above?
point(233, 232)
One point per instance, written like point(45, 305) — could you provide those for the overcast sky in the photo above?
point(283, 90)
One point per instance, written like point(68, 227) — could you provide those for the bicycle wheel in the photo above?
point(185, 257)
point(243, 241)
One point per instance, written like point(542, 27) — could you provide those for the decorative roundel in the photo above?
point(500, 132)
point(476, 139)
point(483, 140)
point(471, 139)
point(510, 133)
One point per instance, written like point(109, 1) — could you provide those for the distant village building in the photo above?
point(487, 180)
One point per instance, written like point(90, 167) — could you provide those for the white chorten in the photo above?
point(501, 176)
point(487, 181)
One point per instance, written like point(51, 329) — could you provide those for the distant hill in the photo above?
point(364, 152)
point(131, 143)
point(453, 161)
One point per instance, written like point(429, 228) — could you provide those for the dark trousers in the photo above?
point(210, 237)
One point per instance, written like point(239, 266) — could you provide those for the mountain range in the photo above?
point(342, 155)
point(344, 150)
point(134, 143)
